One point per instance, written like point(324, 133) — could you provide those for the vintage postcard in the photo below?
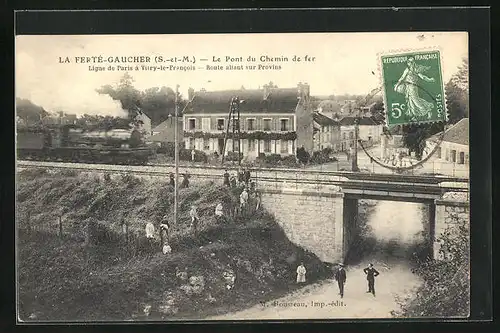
point(242, 176)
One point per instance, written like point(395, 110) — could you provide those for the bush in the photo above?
point(445, 291)
point(168, 148)
point(233, 156)
point(290, 161)
point(199, 156)
point(269, 160)
point(303, 155)
point(327, 151)
point(319, 158)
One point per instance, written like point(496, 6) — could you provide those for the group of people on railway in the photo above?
point(185, 180)
point(241, 177)
point(240, 185)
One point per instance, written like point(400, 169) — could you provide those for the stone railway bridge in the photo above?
point(318, 210)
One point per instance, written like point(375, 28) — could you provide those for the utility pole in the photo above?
point(355, 151)
point(233, 103)
point(176, 140)
point(233, 121)
point(239, 130)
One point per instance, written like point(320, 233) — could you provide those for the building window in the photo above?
point(351, 135)
point(251, 124)
point(284, 146)
point(236, 145)
point(236, 124)
point(251, 145)
point(284, 124)
point(206, 144)
point(454, 156)
point(205, 124)
point(461, 158)
point(191, 143)
point(344, 136)
point(267, 124)
point(192, 124)
point(438, 152)
point(220, 124)
point(267, 146)
point(447, 156)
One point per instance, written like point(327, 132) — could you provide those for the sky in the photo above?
point(344, 63)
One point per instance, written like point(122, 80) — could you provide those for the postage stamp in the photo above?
point(413, 87)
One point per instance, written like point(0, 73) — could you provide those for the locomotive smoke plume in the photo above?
point(103, 106)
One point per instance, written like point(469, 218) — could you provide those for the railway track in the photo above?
point(217, 170)
point(277, 177)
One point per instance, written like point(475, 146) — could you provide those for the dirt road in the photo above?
point(322, 301)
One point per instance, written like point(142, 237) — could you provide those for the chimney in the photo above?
point(267, 91)
point(303, 90)
point(190, 93)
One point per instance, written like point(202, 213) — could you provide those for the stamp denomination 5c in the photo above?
point(413, 87)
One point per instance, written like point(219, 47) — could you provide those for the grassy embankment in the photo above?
point(93, 272)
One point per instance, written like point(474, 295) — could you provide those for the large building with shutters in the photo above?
point(272, 121)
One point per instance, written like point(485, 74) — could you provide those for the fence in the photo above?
point(130, 238)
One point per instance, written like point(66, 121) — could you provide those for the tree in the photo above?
point(302, 155)
point(457, 94)
point(414, 136)
point(29, 112)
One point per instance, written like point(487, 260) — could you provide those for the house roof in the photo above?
point(166, 130)
point(169, 123)
point(458, 133)
point(323, 120)
point(369, 106)
point(279, 100)
point(347, 121)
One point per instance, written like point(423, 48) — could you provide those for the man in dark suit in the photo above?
point(371, 273)
point(340, 276)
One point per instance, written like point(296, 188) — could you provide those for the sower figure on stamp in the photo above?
point(341, 277)
point(371, 273)
point(408, 86)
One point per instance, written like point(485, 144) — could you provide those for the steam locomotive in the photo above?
point(71, 143)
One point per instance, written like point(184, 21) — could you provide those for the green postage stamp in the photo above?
point(413, 87)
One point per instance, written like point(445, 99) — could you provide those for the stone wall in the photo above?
point(310, 219)
point(451, 211)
